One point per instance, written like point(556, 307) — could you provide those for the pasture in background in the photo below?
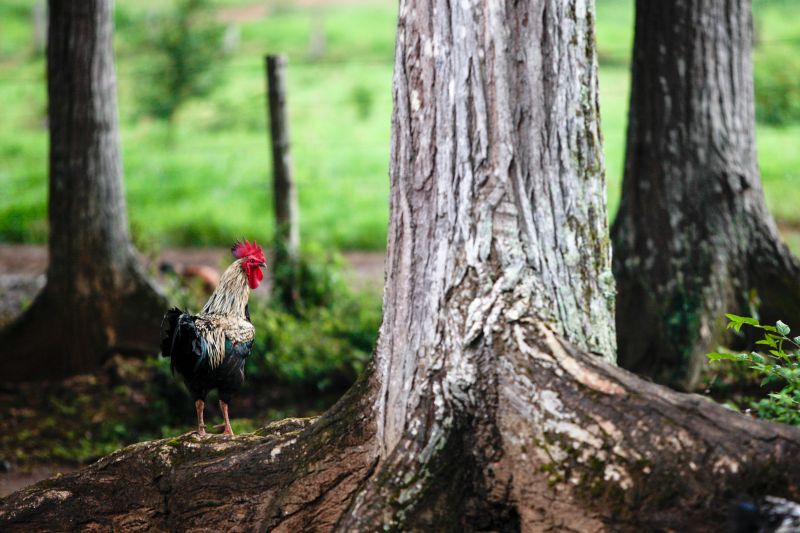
point(203, 176)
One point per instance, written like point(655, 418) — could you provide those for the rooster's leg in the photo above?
point(199, 405)
point(224, 407)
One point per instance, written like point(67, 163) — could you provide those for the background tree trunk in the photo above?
point(693, 238)
point(98, 299)
point(492, 402)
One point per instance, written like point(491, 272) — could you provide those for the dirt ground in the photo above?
point(250, 12)
point(22, 268)
point(31, 260)
point(13, 481)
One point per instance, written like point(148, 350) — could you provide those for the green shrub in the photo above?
point(322, 347)
point(363, 101)
point(320, 340)
point(185, 46)
point(312, 280)
point(778, 365)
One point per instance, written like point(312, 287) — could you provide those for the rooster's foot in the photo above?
point(227, 430)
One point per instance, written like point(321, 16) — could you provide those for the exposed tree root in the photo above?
point(575, 444)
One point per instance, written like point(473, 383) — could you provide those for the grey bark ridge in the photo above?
point(492, 402)
point(693, 238)
point(98, 299)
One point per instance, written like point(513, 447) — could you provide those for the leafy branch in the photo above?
point(779, 361)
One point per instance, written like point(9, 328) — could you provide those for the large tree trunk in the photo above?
point(693, 238)
point(98, 299)
point(492, 402)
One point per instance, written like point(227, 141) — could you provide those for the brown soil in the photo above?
point(31, 259)
point(15, 480)
point(259, 10)
point(22, 268)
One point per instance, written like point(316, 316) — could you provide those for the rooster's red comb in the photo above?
point(244, 248)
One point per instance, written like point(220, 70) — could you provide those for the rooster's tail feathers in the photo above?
point(169, 330)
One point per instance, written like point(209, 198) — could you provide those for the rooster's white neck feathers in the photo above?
point(232, 293)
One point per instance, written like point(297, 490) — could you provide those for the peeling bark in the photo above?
point(693, 238)
point(98, 299)
point(492, 402)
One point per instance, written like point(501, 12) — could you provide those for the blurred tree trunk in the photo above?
point(492, 402)
point(97, 299)
point(693, 238)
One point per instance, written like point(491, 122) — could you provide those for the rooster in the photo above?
point(208, 350)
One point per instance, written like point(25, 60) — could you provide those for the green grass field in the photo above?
point(205, 180)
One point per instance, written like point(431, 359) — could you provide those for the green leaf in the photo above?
point(775, 365)
point(742, 319)
point(717, 356)
point(768, 340)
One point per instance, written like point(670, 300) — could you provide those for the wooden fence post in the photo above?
point(287, 232)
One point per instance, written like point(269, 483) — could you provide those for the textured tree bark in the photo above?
point(693, 238)
point(492, 402)
point(97, 300)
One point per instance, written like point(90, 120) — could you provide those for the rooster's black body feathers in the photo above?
point(187, 340)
